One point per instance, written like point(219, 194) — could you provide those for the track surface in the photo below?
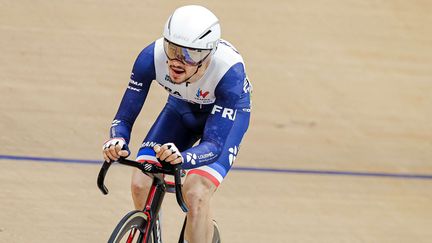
point(339, 86)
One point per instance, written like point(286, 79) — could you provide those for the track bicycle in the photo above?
point(143, 226)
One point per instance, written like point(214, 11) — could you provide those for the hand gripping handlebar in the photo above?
point(150, 168)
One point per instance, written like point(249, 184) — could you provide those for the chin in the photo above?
point(177, 78)
point(178, 81)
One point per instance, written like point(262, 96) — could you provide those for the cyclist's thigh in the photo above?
point(168, 128)
point(217, 171)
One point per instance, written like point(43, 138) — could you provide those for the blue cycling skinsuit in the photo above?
point(214, 110)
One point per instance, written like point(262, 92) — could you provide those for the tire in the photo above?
point(134, 221)
point(216, 233)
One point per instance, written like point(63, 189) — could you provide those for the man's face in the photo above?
point(184, 62)
point(179, 72)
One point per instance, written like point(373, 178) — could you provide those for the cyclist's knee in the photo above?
point(198, 192)
point(197, 202)
point(140, 183)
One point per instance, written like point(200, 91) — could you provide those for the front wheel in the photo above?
point(130, 229)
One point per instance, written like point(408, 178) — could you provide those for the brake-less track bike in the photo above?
point(143, 226)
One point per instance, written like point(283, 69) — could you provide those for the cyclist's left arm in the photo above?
point(220, 122)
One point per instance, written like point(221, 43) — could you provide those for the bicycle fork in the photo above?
point(151, 209)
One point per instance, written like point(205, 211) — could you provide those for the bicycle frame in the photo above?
point(156, 194)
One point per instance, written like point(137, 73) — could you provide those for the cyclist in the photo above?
point(209, 102)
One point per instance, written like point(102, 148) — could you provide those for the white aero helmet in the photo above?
point(193, 27)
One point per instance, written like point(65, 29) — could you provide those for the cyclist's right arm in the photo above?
point(143, 73)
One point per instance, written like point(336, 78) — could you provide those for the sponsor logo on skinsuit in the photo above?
point(173, 92)
point(134, 85)
point(233, 154)
point(168, 78)
point(191, 158)
point(115, 123)
point(247, 86)
point(202, 94)
point(206, 157)
point(148, 144)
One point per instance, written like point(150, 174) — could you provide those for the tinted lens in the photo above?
point(187, 55)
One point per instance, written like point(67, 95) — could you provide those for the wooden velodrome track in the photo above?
point(339, 86)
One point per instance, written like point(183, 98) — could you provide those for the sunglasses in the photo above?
point(190, 56)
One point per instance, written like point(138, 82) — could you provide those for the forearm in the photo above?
point(121, 129)
point(205, 153)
